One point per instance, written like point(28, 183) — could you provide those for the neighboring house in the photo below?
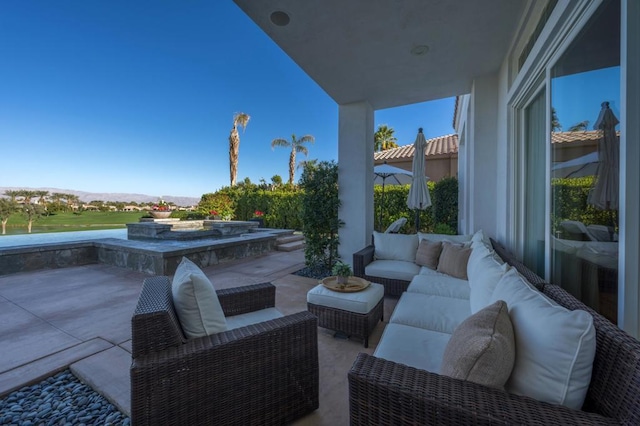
point(131, 208)
point(441, 157)
point(514, 66)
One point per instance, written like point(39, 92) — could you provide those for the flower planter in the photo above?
point(160, 214)
point(260, 220)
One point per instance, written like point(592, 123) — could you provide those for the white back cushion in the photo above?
point(395, 246)
point(484, 272)
point(196, 301)
point(555, 347)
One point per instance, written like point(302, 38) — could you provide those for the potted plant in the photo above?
point(161, 210)
point(342, 271)
point(258, 216)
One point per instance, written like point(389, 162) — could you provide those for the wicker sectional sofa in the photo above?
point(401, 383)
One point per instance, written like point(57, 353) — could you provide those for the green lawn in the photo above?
point(62, 222)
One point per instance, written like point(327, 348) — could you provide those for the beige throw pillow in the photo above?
point(482, 348)
point(196, 301)
point(428, 253)
point(453, 260)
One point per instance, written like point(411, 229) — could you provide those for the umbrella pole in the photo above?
point(381, 206)
point(418, 218)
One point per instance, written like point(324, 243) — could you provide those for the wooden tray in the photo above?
point(354, 284)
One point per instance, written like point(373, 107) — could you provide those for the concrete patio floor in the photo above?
point(80, 318)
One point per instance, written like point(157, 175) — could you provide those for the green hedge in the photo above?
point(441, 216)
point(570, 203)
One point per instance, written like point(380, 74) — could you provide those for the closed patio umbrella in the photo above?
point(418, 198)
point(605, 192)
point(385, 173)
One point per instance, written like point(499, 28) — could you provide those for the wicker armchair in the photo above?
point(265, 373)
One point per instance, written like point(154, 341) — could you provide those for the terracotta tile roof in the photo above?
point(441, 145)
point(572, 137)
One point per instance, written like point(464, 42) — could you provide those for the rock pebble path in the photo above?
point(59, 400)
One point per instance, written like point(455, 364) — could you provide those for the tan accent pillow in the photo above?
point(453, 260)
point(428, 253)
point(482, 348)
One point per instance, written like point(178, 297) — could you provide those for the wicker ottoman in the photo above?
point(354, 313)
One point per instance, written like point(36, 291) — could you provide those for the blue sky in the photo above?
point(139, 97)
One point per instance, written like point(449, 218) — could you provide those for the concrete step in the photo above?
point(289, 239)
point(291, 246)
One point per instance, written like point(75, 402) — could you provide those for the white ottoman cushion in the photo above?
point(360, 302)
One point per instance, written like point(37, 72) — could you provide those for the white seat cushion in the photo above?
point(254, 317)
point(555, 347)
point(196, 301)
point(412, 346)
point(440, 285)
point(393, 269)
point(395, 246)
point(361, 302)
point(437, 313)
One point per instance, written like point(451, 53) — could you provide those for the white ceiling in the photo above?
point(360, 50)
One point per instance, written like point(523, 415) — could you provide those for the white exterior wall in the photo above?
point(355, 177)
point(482, 160)
point(629, 244)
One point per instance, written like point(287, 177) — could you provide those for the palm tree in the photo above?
point(580, 127)
point(12, 194)
point(383, 138)
point(239, 119)
point(7, 208)
point(555, 122)
point(297, 145)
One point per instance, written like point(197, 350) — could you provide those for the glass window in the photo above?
point(534, 211)
point(585, 100)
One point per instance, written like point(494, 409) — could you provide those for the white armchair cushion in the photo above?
point(255, 317)
point(395, 246)
point(196, 301)
point(555, 347)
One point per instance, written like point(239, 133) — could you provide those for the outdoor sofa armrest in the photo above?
point(384, 392)
point(249, 298)
point(217, 379)
point(361, 259)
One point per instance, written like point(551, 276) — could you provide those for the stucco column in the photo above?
point(482, 158)
point(355, 177)
point(629, 243)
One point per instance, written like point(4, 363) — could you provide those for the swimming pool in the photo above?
point(59, 237)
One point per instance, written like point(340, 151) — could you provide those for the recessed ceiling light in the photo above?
point(280, 18)
point(419, 50)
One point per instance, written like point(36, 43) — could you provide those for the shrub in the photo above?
point(320, 222)
point(445, 202)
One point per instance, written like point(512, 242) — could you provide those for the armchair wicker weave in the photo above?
point(265, 373)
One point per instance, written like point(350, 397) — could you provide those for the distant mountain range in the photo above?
point(112, 196)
